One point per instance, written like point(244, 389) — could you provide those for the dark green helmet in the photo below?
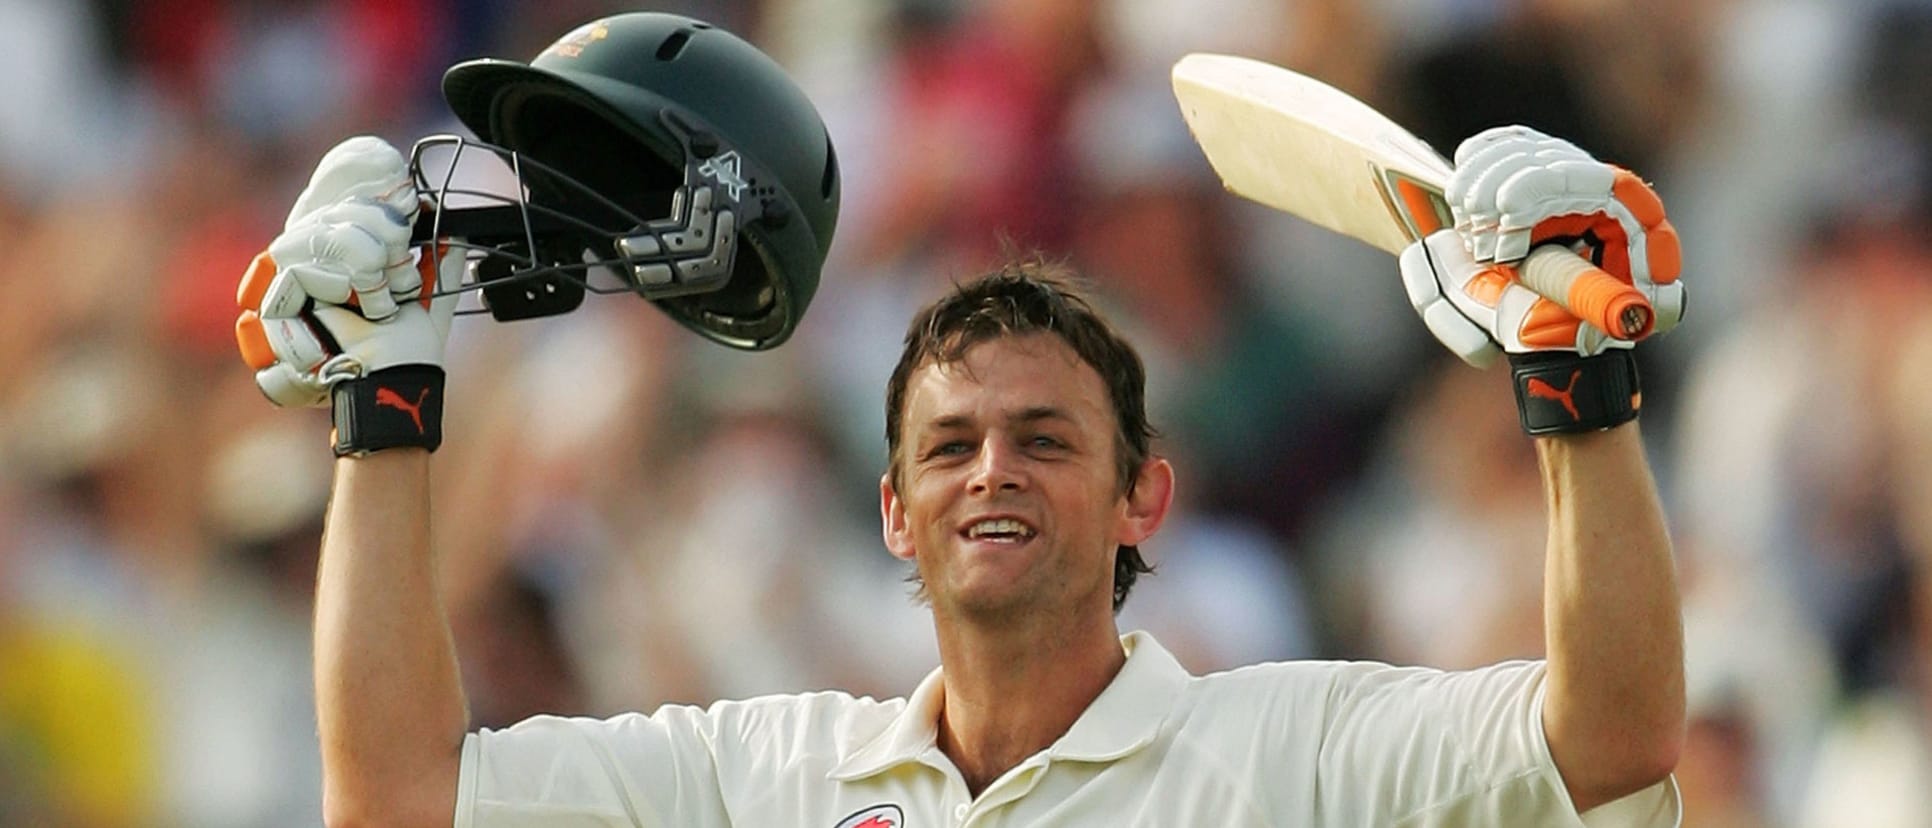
point(639, 117)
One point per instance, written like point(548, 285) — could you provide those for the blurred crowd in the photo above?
point(627, 517)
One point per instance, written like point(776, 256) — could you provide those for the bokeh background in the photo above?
point(628, 517)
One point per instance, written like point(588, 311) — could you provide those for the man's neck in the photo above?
point(1011, 693)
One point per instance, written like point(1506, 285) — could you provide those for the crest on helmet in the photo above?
point(573, 44)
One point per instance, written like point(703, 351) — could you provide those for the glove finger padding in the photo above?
point(345, 252)
point(1515, 189)
point(362, 169)
point(404, 279)
point(1487, 165)
point(1563, 186)
point(1480, 162)
point(414, 335)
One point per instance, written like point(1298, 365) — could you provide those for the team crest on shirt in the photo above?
point(877, 816)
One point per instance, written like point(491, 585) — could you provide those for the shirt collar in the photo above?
point(1124, 718)
point(912, 733)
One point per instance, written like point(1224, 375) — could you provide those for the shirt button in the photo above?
point(959, 813)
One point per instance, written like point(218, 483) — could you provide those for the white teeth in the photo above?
point(1004, 526)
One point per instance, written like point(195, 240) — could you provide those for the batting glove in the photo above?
point(1515, 189)
point(340, 308)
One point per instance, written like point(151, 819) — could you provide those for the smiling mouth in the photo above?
point(1003, 530)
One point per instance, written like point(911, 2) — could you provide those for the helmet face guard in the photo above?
point(537, 250)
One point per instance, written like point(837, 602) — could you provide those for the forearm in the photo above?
point(389, 703)
point(1614, 713)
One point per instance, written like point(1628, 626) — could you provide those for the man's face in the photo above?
point(1009, 499)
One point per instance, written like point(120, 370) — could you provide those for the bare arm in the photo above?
point(388, 700)
point(1614, 713)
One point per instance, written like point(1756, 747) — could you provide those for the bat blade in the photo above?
point(1303, 147)
point(1298, 145)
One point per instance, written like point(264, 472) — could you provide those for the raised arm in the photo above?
point(1613, 712)
point(334, 313)
point(388, 700)
point(1614, 707)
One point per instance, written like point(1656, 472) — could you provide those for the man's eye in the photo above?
point(1043, 441)
point(954, 447)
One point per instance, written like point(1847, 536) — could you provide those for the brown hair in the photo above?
point(1024, 297)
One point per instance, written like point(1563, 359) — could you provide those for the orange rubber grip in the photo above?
point(1596, 297)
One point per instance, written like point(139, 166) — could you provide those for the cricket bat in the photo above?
point(1298, 145)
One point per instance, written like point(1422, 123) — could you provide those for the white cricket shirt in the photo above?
point(1344, 744)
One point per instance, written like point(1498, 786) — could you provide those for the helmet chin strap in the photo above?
point(534, 259)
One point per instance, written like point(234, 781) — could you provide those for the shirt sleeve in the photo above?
point(630, 770)
point(1419, 748)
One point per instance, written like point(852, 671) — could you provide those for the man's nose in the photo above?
point(1000, 467)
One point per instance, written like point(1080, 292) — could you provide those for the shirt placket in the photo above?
point(1015, 783)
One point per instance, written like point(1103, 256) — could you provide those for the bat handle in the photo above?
point(1560, 275)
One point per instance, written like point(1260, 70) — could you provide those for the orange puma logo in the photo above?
point(1538, 388)
point(394, 400)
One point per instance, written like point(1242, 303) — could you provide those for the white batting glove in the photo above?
point(340, 296)
point(1515, 189)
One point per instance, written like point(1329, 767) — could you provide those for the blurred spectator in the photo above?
point(1439, 559)
point(778, 586)
point(1799, 538)
point(517, 664)
point(980, 153)
point(1739, 181)
point(71, 127)
point(238, 741)
point(1588, 71)
point(76, 722)
point(78, 712)
point(1224, 592)
point(1248, 392)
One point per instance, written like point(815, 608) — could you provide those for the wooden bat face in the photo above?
point(1308, 149)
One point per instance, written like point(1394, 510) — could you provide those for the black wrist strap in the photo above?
point(1563, 393)
point(391, 408)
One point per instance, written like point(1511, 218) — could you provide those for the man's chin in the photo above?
point(994, 601)
point(1008, 601)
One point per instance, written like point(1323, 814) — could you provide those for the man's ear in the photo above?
point(1146, 505)
point(892, 518)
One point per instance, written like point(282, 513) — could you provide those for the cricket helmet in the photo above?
point(661, 150)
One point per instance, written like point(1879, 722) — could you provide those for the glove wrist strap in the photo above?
point(392, 408)
point(1564, 393)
